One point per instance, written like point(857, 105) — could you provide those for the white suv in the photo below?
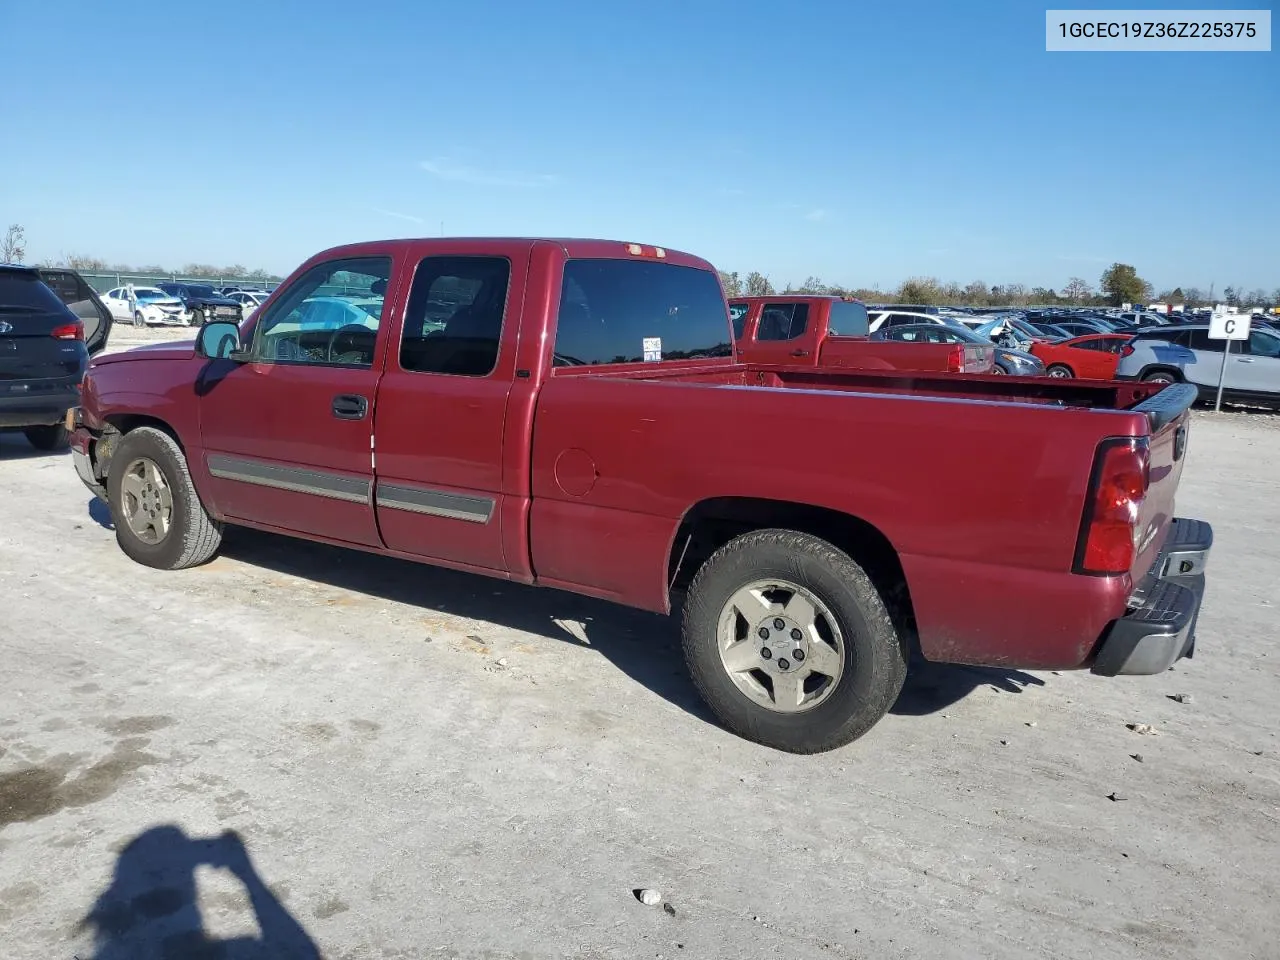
point(1185, 353)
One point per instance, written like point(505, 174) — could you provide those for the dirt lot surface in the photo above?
point(425, 764)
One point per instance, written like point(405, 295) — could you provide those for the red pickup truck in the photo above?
point(569, 413)
point(830, 332)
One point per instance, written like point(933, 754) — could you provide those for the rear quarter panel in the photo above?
point(981, 500)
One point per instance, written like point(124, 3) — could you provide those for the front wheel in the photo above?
point(159, 519)
point(139, 320)
point(1059, 372)
point(1160, 376)
point(197, 318)
point(789, 642)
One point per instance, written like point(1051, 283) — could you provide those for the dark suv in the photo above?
point(203, 301)
point(43, 349)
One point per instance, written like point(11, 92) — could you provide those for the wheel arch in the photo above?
point(1151, 368)
point(710, 524)
point(115, 426)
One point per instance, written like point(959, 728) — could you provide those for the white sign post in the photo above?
point(1228, 327)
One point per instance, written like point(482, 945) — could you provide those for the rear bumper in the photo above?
point(22, 406)
point(1160, 627)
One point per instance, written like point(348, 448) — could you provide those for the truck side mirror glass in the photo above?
point(218, 340)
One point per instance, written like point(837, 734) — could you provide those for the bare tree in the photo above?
point(14, 246)
point(1077, 289)
point(758, 285)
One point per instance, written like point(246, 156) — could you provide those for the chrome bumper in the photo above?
point(1160, 629)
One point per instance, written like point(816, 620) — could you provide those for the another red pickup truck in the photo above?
point(830, 332)
point(569, 413)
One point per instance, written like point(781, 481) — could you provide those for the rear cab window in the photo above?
point(628, 311)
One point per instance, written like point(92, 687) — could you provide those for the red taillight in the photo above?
point(68, 331)
point(955, 360)
point(1126, 350)
point(1108, 535)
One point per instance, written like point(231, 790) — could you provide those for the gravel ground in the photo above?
point(425, 764)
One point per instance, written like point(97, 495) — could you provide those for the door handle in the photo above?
point(348, 406)
point(799, 353)
point(1244, 359)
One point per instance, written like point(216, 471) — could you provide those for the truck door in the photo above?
point(779, 335)
point(287, 433)
point(442, 408)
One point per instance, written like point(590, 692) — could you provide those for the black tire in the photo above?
point(999, 370)
point(1160, 376)
point(1059, 371)
point(197, 318)
point(54, 437)
point(193, 536)
point(875, 658)
point(139, 320)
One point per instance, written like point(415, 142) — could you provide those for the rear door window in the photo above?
point(848, 319)
point(629, 311)
point(783, 321)
point(1199, 340)
point(738, 315)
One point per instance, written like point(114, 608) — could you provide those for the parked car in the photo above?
point(1092, 357)
point(1051, 330)
point(897, 318)
point(202, 301)
point(249, 300)
point(82, 300)
point(43, 356)
point(1185, 353)
point(146, 305)
point(831, 333)
point(1016, 363)
point(580, 422)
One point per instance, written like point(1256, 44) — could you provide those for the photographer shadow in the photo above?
point(150, 910)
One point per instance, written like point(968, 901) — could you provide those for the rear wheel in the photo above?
point(789, 642)
point(54, 437)
point(159, 519)
point(1059, 371)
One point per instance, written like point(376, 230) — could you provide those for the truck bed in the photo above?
point(975, 482)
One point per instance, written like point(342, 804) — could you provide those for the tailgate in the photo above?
point(30, 351)
point(1169, 415)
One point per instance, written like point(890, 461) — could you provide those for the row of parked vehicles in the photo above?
point(180, 303)
point(1065, 344)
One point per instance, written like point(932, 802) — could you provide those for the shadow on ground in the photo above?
point(932, 687)
point(644, 646)
point(100, 514)
point(150, 910)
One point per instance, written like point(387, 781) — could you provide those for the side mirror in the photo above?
point(218, 340)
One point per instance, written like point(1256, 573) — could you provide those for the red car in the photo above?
point(1092, 357)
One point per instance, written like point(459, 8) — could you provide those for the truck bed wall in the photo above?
point(982, 511)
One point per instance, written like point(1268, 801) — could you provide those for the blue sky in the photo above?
point(863, 143)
